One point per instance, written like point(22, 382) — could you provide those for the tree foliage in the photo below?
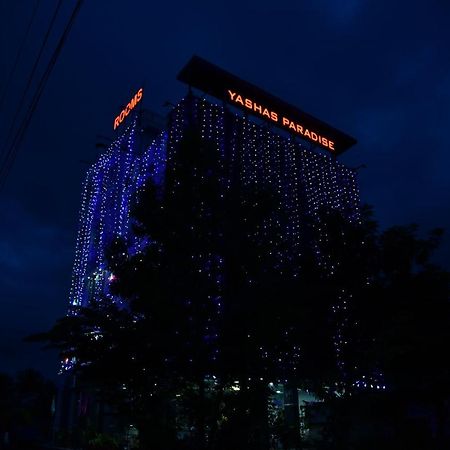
point(204, 306)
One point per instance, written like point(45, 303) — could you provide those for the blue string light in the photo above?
point(248, 153)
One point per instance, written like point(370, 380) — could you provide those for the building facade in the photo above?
point(251, 158)
point(249, 154)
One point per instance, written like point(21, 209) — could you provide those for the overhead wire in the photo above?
point(5, 168)
point(7, 84)
point(30, 80)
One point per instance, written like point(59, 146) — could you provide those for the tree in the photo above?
point(200, 314)
point(203, 295)
point(400, 319)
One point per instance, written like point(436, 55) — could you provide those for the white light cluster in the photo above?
point(249, 154)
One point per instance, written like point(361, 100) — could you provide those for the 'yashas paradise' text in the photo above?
point(285, 122)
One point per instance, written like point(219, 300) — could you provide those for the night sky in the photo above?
point(377, 69)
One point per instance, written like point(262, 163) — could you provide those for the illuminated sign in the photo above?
point(280, 119)
point(130, 106)
point(212, 80)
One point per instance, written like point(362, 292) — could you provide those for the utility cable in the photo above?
point(30, 80)
point(19, 53)
point(13, 150)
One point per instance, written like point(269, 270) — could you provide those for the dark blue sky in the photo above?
point(377, 69)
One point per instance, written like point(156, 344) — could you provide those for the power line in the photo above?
point(19, 53)
point(30, 80)
point(13, 150)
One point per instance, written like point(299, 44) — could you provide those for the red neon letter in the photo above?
point(232, 94)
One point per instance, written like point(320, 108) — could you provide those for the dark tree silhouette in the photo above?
point(202, 317)
point(400, 315)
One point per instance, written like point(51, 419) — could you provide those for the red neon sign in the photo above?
point(279, 118)
point(130, 106)
point(213, 80)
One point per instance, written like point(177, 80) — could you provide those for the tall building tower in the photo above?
point(259, 149)
point(250, 151)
